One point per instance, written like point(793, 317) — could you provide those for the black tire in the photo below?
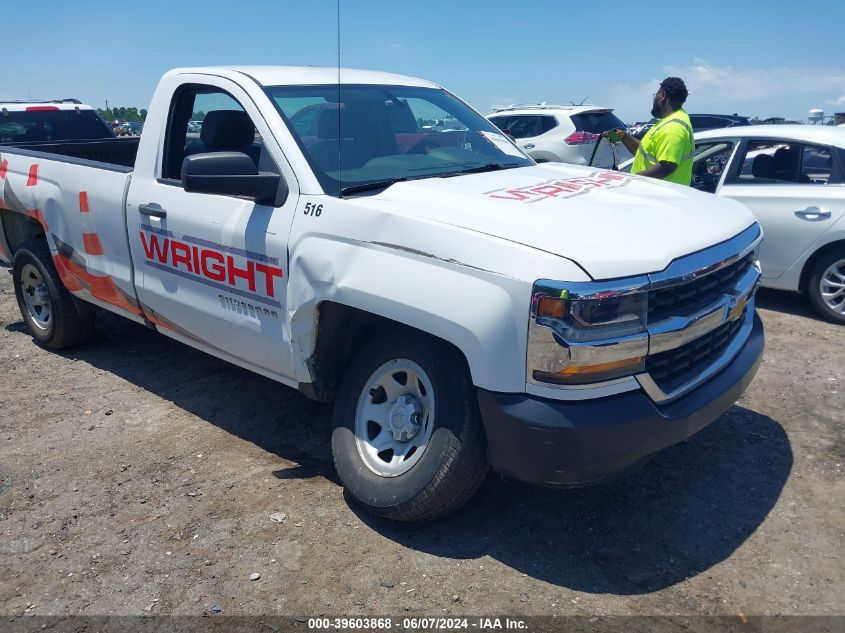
point(814, 281)
point(453, 464)
point(66, 324)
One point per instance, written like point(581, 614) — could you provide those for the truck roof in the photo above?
point(307, 75)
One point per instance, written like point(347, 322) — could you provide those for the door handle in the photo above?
point(529, 146)
point(813, 213)
point(152, 209)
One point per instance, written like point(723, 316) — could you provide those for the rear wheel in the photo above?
point(826, 286)
point(408, 443)
point(49, 311)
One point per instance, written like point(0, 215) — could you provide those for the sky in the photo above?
point(754, 57)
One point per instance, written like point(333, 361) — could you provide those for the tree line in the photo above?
point(123, 114)
point(135, 114)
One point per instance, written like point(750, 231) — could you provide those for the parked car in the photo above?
point(639, 128)
point(556, 133)
point(130, 128)
point(195, 126)
point(701, 122)
point(792, 177)
point(50, 122)
point(461, 305)
point(434, 126)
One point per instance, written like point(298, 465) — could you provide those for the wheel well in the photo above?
point(18, 228)
point(811, 262)
point(341, 332)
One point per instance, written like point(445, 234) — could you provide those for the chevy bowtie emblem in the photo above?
point(736, 311)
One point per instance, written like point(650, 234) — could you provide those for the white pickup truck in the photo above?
point(462, 306)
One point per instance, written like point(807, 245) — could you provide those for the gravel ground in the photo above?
point(138, 476)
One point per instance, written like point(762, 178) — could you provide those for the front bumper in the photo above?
point(572, 443)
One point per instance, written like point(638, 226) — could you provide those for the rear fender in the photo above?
point(15, 229)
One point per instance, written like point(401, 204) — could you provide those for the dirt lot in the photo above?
point(137, 476)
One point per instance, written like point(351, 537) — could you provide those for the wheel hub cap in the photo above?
point(394, 418)
point(404, 418)
point(36, 297)
point(832, 287)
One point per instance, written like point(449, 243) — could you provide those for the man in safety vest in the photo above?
point(666, 150)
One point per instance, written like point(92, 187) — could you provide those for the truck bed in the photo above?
point(116, 152)
point(74, 190)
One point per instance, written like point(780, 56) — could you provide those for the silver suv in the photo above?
point(558, 133)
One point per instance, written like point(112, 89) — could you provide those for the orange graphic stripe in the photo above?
point(92, 244)
point(76, 277)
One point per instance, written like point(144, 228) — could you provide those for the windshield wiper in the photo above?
point(370, 186)
point(482, 168)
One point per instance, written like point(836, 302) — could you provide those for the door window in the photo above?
point(709, 163)
point(786, 162)
point(524, 125)
point(816, 165)
point(207, 119)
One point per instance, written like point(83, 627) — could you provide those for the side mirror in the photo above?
point(232, 174)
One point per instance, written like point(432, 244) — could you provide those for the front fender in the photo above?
point(482, 313)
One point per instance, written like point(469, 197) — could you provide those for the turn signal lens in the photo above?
point(592, 373)
point(551, 307)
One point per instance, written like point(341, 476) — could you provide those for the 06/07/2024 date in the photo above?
point(416, 624)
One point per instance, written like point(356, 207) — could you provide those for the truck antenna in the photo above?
point(339, 135)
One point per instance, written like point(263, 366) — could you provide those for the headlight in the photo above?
point(612, 314)
point(604, 315)
point(604, 332)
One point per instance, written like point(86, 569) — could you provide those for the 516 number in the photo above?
point(313, 209)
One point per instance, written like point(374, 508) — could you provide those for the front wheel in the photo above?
point(408, 443)
point(826, 286)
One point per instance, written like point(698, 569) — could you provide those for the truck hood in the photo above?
point(610, 223)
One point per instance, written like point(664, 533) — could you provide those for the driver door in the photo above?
point(212, 269)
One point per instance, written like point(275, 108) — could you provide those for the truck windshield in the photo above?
point(45, 125)
point(362, 135)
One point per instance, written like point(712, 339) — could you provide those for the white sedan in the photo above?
point(792, 177)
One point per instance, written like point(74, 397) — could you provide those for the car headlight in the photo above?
point(600, 335)
point(604, 315)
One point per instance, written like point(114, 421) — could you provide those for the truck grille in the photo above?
point(676, 367)
point(687, 298)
